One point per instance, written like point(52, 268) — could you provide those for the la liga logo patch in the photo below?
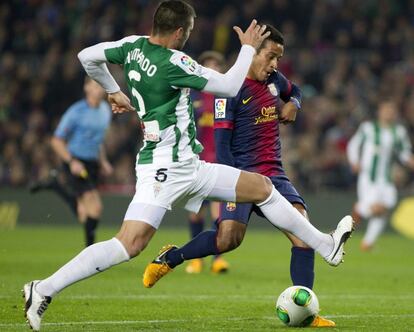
point(220, 108)
point(188, 62)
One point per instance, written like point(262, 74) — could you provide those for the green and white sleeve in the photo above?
point(94, 60)
point(187, 73)
point(184, 72)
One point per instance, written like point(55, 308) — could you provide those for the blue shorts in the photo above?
point(241, 212)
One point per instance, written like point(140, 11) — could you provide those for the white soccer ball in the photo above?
point(297, 306)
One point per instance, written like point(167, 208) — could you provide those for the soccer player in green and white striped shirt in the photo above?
point(372, 152)
point(169, 173)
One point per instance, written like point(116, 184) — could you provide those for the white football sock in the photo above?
point(283, 215)
point(375, 227)
point(91, 260)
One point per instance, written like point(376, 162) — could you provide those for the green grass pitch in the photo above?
point(369, 292)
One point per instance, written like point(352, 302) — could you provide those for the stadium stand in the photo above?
point(346, 56)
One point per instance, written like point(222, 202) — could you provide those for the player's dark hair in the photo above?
point(171, 15)
point(275, 36)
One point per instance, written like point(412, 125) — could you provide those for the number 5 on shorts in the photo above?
point(161, 176)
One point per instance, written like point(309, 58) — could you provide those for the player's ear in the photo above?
point(178, 34)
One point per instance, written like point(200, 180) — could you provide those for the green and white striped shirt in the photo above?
point(375, 148)
point(158, 80)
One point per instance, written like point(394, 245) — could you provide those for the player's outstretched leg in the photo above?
point(285, 217)
point(258, 189)
point(129, 242)
point(35, 304)
point(91, 260)
point(251, 187)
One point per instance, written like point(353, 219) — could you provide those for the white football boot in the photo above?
point(35, 304)
point(340, 235)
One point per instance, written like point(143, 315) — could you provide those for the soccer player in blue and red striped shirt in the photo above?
point(247, 137)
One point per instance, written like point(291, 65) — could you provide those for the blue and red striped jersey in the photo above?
point(252, 119)
point(203, 104)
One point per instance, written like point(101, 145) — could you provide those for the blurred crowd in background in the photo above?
point(345, 55)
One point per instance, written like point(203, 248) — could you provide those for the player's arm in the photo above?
point(353, 148)
point(291, 94)
point(184, 72)
point(93, 60)
point(59, 142)
point(405, 154)
point(222, 141)
point(229, 83)
point(223, 130)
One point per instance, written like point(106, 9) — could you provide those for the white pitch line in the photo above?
point(166, 321)
point(220, 296)
point(153, 321)
point(372, 316)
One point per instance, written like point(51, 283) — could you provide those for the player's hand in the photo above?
point(106, 168)
point(253, 36)
point(77, 168)
point(288, 113)
point(120, 103)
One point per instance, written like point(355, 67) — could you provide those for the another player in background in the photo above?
point(78, 141)
point(247, 137)
point(203, 104)
point(169, 173)
point(372, 152)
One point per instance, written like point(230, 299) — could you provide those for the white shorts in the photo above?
point(186, 184)
point(374, 193)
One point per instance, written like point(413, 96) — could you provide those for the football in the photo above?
point(297, 306)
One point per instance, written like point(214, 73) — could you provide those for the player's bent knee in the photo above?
point(229, 243)
point(134, 246)
point(230, 235)
point(267, 187)
point(135, 236)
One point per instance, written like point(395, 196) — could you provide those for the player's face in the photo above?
point(387, 112)
point(94, 92)
point(266, 61)
point(184, 35)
